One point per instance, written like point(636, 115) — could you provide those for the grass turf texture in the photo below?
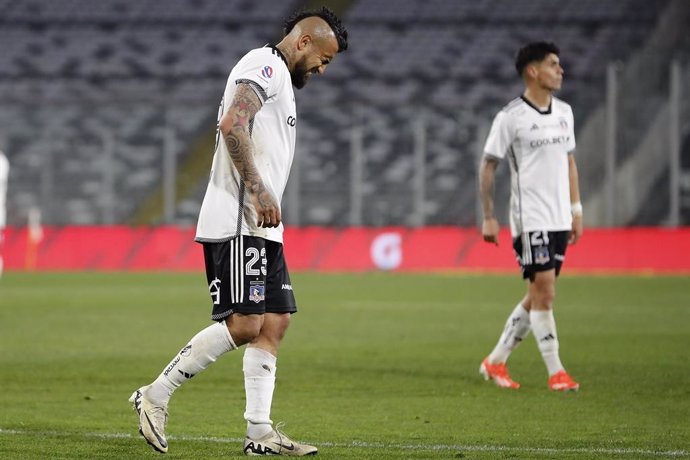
point(374, 366)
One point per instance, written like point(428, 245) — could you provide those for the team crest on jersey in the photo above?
point(563, 123)
point(541, 255)
point(257, 292)
point(267, 71)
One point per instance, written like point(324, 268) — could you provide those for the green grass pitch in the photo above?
point(374, 366)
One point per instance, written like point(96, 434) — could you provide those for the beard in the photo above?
point(300, 74)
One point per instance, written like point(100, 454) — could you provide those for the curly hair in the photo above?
point(327, 15)
point(536, 51)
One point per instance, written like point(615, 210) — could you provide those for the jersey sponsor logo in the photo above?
point(556, 140)
point(287, 287)
point(267, 71)
point(214, 289)
point(257, 292)
point(291, 121)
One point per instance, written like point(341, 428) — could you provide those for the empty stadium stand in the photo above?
point(90, 89)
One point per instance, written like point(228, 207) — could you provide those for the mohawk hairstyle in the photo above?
point(533, 52)
point(327, 15)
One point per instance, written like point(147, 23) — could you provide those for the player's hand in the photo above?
point(577, 230)
point(490, 230)
point(267, 209)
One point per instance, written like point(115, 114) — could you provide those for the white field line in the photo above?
point(380, 445)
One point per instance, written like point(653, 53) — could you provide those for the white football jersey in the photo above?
point(537, 144)
point(227, 210)
point(4, 176)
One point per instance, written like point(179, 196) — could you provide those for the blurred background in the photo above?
point(108, 108)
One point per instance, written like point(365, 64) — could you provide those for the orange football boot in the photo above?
point(561, 381)
point(498, 373)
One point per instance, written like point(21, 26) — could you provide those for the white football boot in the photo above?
point(152, 420)
point(277, 443)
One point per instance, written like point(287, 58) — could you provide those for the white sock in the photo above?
point(259, 368)
point(204, 348)
point(516, 329)
point(544, 328)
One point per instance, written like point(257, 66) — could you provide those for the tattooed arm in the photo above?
point(235, 129)
point(487, 173)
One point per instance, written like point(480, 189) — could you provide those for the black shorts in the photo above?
point(540, 251)
point(248, 275)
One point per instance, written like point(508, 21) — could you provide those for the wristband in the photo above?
point(576, 208)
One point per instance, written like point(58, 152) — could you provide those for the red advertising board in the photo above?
point(622, 250)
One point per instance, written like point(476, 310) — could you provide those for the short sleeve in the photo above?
point(571, 134)
point(262, 72)
point(500, 137)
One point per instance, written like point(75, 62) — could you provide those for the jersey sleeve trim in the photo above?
point(255, 86)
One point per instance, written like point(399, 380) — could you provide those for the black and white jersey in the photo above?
point(537, 144)
point(227, 210)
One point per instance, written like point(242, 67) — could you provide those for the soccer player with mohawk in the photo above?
point(242, 234)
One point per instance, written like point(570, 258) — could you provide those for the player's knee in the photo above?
point(279, 322)
point(544, 297)
point(244, 328)
point(274, 327)
point(542, 292)
point(547, 299)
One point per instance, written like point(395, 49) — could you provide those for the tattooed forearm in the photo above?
point(235, 126)
point(242, 154)
point(486, 186)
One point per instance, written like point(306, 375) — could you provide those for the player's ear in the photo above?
point(304, 41)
